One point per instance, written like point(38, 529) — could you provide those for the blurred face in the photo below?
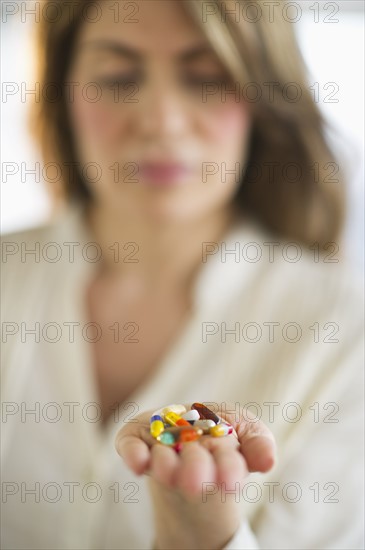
point(158, 147)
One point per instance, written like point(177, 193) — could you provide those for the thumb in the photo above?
point(259, 451)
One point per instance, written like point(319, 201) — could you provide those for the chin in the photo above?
point(173, 211)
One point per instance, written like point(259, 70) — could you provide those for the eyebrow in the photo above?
point(125, 51)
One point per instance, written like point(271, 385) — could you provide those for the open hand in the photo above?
point(195, 492)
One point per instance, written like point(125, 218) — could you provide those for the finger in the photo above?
point(134, 452)
point(230, 464)
point(133, 444)
point(164, 464)
point(257, 442)
point(259, 451)
point(196, 467)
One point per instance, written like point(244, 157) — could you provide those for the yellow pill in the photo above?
point(156, 428)
point(175, 420)
point(177, 409)
point(205, 424)
point(217, 431)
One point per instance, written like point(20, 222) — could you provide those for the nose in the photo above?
point(162, 112)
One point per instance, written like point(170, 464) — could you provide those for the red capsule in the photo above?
point(177, 447)
point(204, 412)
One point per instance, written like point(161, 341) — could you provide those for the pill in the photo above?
point(156, 428)
point(179, 435)
point(190, 435)
point(156, 417)
point(191, 415)
point(178, 409)
point(204, 412)
point(166, 438)
point(227, 427)
point(175, 420)
point(177, 447)
point(220, 430)
point(223, 421)
point(230, 427)
point(205, 424)
point(156, 425)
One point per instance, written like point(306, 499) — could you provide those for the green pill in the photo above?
point(167, 438)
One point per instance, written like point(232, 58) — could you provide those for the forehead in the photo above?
point(153, 26)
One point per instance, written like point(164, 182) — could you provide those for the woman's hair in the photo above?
point(291, 183)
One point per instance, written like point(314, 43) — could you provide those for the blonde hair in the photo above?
point(288, 132)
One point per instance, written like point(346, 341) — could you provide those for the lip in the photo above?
point(164, 173)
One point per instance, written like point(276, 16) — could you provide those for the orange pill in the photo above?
point(183, 434)
point(175, 420)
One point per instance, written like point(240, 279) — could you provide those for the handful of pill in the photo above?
point(174, 425)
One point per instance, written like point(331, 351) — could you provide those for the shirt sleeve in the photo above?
point(244, 538)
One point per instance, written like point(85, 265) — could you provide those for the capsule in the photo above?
point(156, 425)
point(177, 409)
point(183, 434)
point(191, 416)
point(220, 430)
point(228, 427)
point(177, 447)
point(166, 437)
point(204, 412)
point(175, 420)
point(205, 424)
point(223, 421)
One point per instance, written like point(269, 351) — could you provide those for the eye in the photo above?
point(119, 80)
point(200, 80)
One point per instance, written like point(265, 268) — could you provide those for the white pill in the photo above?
point(177, 409)
point(191, 415)
point(204, 424)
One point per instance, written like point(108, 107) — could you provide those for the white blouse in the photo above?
point(274, 328)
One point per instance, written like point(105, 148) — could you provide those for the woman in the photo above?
point(195, 259)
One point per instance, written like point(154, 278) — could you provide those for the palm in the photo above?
point(209, 460)
point(194, 493)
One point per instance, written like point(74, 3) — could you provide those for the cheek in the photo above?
point(95, 123)
point(227, 126)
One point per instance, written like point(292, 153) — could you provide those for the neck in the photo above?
point(153, 253)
